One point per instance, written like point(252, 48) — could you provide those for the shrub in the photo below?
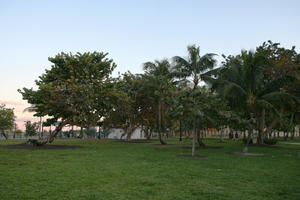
point(270, 141)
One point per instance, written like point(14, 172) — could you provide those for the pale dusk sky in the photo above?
point(133, 32)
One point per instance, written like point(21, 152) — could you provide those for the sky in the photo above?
point(132, 32)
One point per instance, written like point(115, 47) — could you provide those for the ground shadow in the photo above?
point(202, 147)
point(190, 156)
point(245, 154)
point(134, 141)
point(44, 147)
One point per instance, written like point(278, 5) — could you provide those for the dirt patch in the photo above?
point(31, 147)
point(264, 145)
point(246, 154)
point(134, 141)
point(164, 145)
point(190, 156)
point(206, 147)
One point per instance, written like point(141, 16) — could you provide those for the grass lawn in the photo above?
point(108, 169)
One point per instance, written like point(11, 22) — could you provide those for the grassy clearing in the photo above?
point(114, 170)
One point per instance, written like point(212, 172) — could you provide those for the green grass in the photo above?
point(112, 170)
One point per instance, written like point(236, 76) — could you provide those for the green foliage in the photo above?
point(76, 90)
point(244, 83)
point(31, 129)
point(7, 118)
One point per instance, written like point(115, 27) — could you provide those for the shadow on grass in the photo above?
point(44, 147)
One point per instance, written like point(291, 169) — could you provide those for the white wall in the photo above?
point(115, 133)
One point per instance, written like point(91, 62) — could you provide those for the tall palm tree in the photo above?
point(241, 81)
point(194, 67)
point(160, 79)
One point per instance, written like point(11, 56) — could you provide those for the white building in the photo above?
point(116, 133)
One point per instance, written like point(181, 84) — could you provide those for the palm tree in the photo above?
point(160, 80)
point(194, 66)
point(241, 81)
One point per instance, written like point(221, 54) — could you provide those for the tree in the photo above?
point(127, 109)
point(194, 67)
point(159, 80)
point(75, 91)
point(243, 83)
point(7, 119)
point(31, 129)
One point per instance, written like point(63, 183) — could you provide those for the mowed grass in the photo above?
point(108, 169)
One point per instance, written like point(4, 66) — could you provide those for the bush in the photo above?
point(270, 141)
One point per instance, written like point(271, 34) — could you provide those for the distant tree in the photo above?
point(75, 91)
point(31, 129)
point(159, 82)
point(7, 119)
point(194, 67)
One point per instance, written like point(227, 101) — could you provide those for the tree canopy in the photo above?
point(76, 90)
point(7, 119)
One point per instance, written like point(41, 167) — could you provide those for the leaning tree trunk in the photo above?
point(130, 131)
point(159, 124)
point(49, 139)
point(3, 133)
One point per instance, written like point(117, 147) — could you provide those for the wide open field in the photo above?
point(109, 169)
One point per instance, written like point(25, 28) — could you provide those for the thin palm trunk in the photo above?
point(180, 130)
point(40, 127)
point(159, 124)
point(260, 138)
point(194, 139)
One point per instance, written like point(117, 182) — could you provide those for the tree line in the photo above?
point(254, 90)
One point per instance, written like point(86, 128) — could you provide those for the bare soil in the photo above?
point(206, 147)
point(135, 141)
point(246, 154)
point(44, 147)
point(190, 156)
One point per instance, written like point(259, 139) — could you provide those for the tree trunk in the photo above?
point(260, 137)
point(50, 138)
point(200, 139)
point(15, 129)
point(159, 124)
point(221, 135)
point(40, 128)
point(3, 133)
point(130, 131)
point(299, 131)
point(180, 132)
point(245, 149)
point(194, 139)
point(81, 132)
point(286, 136)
